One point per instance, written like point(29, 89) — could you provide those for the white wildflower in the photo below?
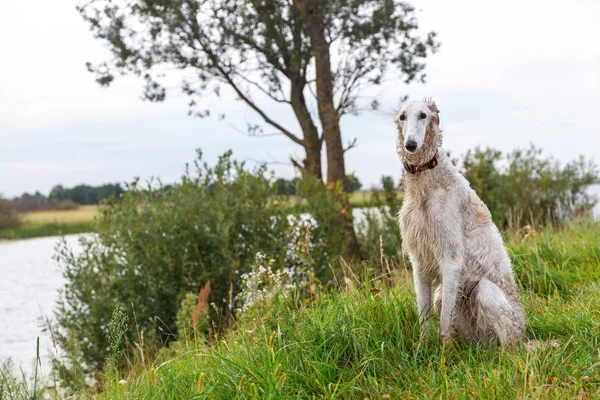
point(262, 285)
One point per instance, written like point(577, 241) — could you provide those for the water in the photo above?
point(595, 191)
point(29, 283)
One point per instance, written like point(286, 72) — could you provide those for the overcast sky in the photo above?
point(508, 74)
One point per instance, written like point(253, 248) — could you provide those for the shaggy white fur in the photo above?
point(451, 241)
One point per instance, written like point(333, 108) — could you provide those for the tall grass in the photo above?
point(363, 342)
point(21, 389)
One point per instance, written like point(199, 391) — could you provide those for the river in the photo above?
point(29, 283)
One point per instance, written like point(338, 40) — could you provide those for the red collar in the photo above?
point(413, 169)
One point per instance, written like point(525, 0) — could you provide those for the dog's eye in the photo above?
point(422, 116)
point(402, 117)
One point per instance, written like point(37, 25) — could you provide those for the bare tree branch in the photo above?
point(351, 144)
point(267, 162)
point(260, 88)
point(262, 135)
point(227, 77)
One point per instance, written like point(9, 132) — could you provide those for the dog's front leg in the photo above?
point(450, 274)
point(423, 292)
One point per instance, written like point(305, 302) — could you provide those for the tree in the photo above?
point(267, 47)
point(8, 217)
point(283, 187)
point(352, 183)
point(85, 194)
point(58, 192)
point(526, 187)
point(387, 182)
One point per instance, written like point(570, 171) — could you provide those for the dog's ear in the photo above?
point(431, 104)
point(433, 107)
point(397, 121)
point(397, 115)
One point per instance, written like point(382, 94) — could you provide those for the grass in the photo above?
point(357, 200)
point(364, 343)
point(53, 223)
point(365, 199)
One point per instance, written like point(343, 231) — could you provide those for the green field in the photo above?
point(52, 223)
point(364, 199)
point(82, 214)
point(364, 343)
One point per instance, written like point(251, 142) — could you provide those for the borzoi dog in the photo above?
point(450, 240)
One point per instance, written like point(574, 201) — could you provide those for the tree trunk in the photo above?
point(312, 142)
point(336, 169)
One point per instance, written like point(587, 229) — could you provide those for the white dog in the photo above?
point(450, 239)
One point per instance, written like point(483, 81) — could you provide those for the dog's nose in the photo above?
point(411, 145)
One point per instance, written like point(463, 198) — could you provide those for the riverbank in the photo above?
point(53, 223)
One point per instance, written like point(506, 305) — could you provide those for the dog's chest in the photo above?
point(426, 225)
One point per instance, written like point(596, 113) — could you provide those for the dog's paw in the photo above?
point(446, 338)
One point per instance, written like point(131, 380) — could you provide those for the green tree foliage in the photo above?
point(352, 183)
point(85, 194)
point(387, 183)
point(155, 246)
point(524, 186)
point(285, 187)
point(62, 198)
point(8, 217)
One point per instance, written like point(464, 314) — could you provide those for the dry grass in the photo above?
point(358, 199)
point(82, 214)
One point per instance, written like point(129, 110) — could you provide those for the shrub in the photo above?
point(8, 217)
point(66, 205)
point(379, 231)
point(524, 187)
point(193, 319)
point(154, 246)
point(327, 235)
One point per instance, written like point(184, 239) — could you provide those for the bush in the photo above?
point(193, 319)
point(66, 205)
point(8, 217)
point(154, 246)
point(379, 231)
point(327, 235)
point(523, 187)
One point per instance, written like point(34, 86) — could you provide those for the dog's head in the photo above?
point(418, 128)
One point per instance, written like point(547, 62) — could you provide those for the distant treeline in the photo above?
point(61, 197)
